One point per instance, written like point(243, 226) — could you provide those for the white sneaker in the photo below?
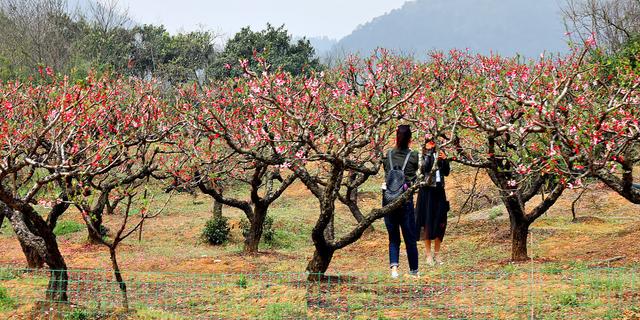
point(438, 259)
point(430, 260)
point(394, 272)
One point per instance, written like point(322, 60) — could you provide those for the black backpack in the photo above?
point(396, 180)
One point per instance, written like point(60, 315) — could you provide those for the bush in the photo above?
point(6, 303)
point(68, 227)
point(216, 231)
point(268, 233)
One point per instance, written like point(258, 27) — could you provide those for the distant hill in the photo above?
point(322, 44)
point(508, 27)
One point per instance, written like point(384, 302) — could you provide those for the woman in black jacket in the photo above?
point(433, 206)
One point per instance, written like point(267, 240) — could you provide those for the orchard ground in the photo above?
point(608, 227)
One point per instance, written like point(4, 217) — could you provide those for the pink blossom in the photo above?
point(522, 169)
point(255, 88)
point(285, 165)
point(591, 42)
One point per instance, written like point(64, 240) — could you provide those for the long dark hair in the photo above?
point(403, 136)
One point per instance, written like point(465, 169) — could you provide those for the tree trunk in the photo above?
point(95, 235)
point(58, 280)
point(352, 203)
point(122, 285)
point(512, 199)
point(57, 211)
point(323, 253)
point(574, 205)
point(140, 231)
point(217, 209)
point(519, 236)
point(329, 231)
point(319, 264)
point(252, 241)
point(4, 212)
point(34, 260)
point(34, 232)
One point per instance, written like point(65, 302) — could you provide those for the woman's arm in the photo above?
point(445, 167)
point(427, 164)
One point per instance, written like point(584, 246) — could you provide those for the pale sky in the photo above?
point(331, 18)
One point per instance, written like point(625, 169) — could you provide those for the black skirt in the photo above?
point(431, 211)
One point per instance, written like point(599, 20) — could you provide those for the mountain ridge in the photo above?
point(507, 27)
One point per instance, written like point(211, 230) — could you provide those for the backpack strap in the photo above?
point(419, 172)
point(406, 160)
point(389, 157)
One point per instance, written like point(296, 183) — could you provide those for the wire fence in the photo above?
point(543, 293)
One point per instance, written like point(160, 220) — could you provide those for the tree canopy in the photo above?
point(274, 45)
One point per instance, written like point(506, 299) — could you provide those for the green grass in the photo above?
point(359, 300)
point(495, 212)
point(290, 234)
point(285, 310)
point(381, 316)
point(6, 302)
point(144, 312)
point(242, 281)
point(286, 240)
point(611, 314)
point(510, 268)
point(551, 268)
point(6, 230)
point(470, 254)
point(7, 275)
point(612, 283)
point(68, 227)
point(78, 314)
point(568, 299)
point(371, 186)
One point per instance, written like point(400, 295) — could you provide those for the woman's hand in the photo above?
point(430, 145)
